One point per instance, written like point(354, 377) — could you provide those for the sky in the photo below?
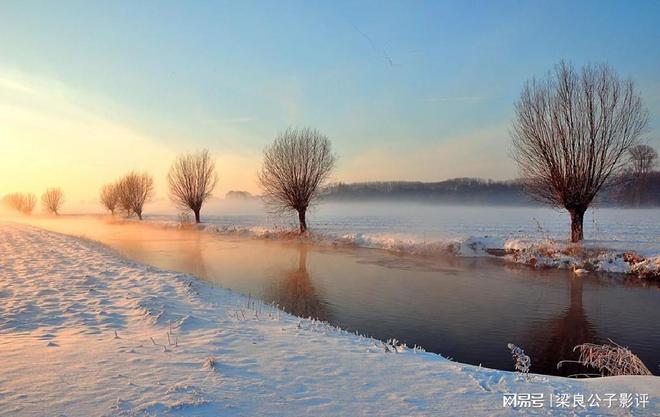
point(404, 90)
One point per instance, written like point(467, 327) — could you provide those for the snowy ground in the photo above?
point(84, 332)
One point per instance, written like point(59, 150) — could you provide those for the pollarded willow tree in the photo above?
point(192, 179)
point(109, 197)
point(134, 190)
point(52, 200)
point(295, 167)
point(571, 134)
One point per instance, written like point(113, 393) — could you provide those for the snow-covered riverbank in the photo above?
point(631, 258)
point(85, 332)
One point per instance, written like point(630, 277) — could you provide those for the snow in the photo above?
point(84, 332)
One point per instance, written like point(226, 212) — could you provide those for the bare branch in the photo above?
point(192, 179)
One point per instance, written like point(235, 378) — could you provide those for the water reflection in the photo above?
point(293, 290)
point(193, 257)
point(564, 333)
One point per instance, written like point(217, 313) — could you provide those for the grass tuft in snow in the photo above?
point(610, 360)
point(209, 363)
point(522, 361)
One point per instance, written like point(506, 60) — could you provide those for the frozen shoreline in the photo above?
point(589, 256)
point(77, 325)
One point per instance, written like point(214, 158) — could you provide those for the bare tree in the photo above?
point(23, 203)
point(11, 201)
point(295, 166)
point(27, 203)
point(192, 179)
point(52, 200)
point(134, 190)
point(110, 197)
point(571, 133)
point(642, 161)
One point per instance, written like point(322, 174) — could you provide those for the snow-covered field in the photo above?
point(530, 235)
point(84, 332)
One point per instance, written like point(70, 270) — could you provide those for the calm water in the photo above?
point(464, 309)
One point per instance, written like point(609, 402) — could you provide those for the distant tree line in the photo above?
point(239, 195)
point(458, 190)
point(624, 193)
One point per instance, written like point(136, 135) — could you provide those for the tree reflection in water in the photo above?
point(294, 291)
point(565, 332)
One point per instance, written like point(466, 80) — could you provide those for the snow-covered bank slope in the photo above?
point(85, 333)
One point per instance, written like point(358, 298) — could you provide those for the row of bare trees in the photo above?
point(129, 193)
point(52, 200)
point(574, 133)
point(21, 202)
point(295, 167)
point(191, 180)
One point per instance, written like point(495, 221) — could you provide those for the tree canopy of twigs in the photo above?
point(134, 190)
point(191, 180)
point(571, 134)
point(23, 203)
point(109, 197)
point(52, 200)
point(295, 166)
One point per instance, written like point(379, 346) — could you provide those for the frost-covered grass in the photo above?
point(84, 332)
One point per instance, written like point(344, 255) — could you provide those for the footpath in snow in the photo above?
point(84, 332)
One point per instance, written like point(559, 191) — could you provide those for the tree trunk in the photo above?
point(577, 220)
point(302, 220)
point(139, 215)
point(196, 215)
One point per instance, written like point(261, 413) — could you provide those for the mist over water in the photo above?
point(616, 228)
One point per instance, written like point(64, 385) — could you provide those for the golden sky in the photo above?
point(50, 138)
